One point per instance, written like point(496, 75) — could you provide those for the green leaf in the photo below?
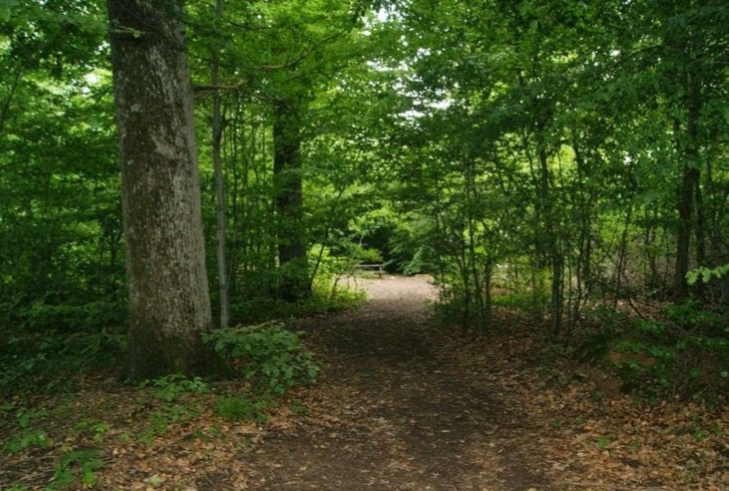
point(6, 9)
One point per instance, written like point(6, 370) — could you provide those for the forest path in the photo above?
point(392, 414)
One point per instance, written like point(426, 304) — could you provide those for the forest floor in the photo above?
point(403, 404)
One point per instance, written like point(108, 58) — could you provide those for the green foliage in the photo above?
point(87, 317)
point(60, 222)
point(604, 441)
point(50, 362)
point(177, 395)
point(327, 264)
point(329, 292)
point(331, 296)
point(168, 414)
point(175, 399)
point(529, 303)
point(98, 429)
point(171, 387)
point(601, 327)
point(704, 275)
point(410, 247)
point(26, 435)
point(368, 255)
point(78, 466)
point(456, 308)
point(244, 408)
point(328, 295)
point(685, 355)
point(17, 487)
point(268, 355)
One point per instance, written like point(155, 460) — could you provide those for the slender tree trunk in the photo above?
point(687, 189)
point(700, 229)
point(586, 206)
point(289, 201)
point(472, 263)
point(236, 156)
point(622, 256)
point(169, 302)
point(4, 111)
point(488, 270)
point(653, 279)
point(551, 246)
point(462, 262)
point(217, 139)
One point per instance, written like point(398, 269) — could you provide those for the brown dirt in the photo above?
point(404, 403)
point(393, 414)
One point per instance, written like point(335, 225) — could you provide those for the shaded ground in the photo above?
point(401, 417)
point(408, 405)
point(404, 404)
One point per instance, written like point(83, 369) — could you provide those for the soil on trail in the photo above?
point(404, 403)
point(394, 414)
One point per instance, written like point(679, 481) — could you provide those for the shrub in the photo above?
point(48, 362)
point(170, 387)
point(328, 294)
point(268, 355)
point(89, 317)
point(683, 355)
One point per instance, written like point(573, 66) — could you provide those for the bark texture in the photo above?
point(168, 288)
point(217, 143)
point(689, 189)
point(292, 247)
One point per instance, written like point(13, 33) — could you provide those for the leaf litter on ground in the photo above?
point(543, 426)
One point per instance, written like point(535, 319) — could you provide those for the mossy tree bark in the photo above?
point(169, 301)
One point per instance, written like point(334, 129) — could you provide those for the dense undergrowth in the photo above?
point(673, 353)
point(59, 371)
point(52, 349)
point(678, 354)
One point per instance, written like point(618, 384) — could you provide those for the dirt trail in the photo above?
point(391, 414)
point(404, 404)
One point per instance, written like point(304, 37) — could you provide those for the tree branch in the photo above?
point(303, 55)
point(268, 68)
point(223, 88)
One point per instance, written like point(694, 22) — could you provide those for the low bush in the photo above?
point(171, 387)
point(268, 355)
point(49, 362)
point(88, 317)
point(684, 355)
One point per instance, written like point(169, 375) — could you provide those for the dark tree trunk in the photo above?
point(294, 280)
point(690, 181)
point(168, 288)
point(551, 246)
point(217, 140)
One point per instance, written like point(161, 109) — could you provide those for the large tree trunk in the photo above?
point(294, 283)
point(169, 301)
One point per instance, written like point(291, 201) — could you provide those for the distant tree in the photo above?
point(289, 201)
point(168, 288)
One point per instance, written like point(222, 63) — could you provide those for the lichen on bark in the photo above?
point(167, 279)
